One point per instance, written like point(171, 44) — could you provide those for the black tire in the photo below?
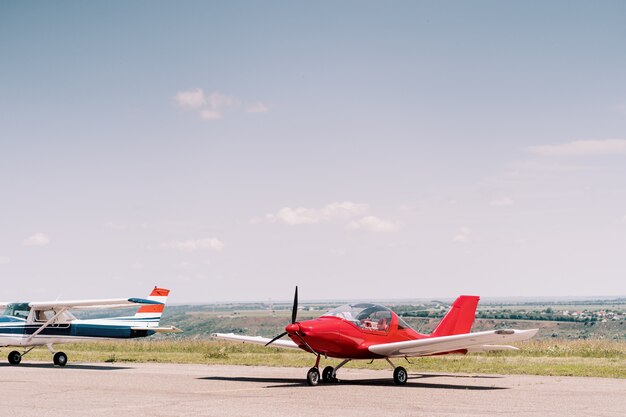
point(327, 374)
point(400, 375)
point(60, 359)
point(15, 357)
point(313, 376)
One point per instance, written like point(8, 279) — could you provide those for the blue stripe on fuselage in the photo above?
point(79, 330)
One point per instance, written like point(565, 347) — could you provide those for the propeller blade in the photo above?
point(294, 311)
point(276, 338)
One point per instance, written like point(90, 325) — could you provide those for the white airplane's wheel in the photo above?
point(327, 374)
point(313, 376)
point(60, 359)
point(15, 357)
point(400, 375)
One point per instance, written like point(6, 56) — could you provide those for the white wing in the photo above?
point(473, 342)
point(256, 339)
point(90, 304)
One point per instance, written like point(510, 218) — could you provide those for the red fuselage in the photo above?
point(340, 338)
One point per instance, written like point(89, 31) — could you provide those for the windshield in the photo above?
point(364, 315)
point(17, 310)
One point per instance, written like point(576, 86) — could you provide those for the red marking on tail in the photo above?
point(152, 308)
point(157, 294)
point(160, 292)
point(460, 318)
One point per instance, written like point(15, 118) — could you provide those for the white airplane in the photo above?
point(51, 322)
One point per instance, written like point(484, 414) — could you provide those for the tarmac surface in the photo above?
point(81, 389)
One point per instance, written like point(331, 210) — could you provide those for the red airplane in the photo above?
point(372, 331)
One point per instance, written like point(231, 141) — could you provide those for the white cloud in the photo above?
point(4, 260)
point(332, 212)
point(373, 224)
point(355, 216)
point(501, 202)
point(216, 105)
point(38, 239)
point(462, 236)
point(582, 148)
point(208, 243)
point(137, 266)
point(192, 99)
point(257, 107)
point(298, 215)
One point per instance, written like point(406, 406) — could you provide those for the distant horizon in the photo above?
point(518, 299)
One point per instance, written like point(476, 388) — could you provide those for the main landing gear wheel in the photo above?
point(313, 376)
point(327, 374)
point(400, 375)
point(60, 359)
point(15, 357)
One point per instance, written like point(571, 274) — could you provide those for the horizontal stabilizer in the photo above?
point(167, 329)
point(144, 301)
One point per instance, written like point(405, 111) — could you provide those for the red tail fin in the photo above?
point(460, 318)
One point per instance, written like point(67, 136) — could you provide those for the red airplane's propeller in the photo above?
point(294, 327)
point(294, 309)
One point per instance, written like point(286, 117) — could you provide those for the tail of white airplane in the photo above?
point(152, 312)
point(149, 316)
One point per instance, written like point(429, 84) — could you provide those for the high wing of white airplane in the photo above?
point(32, 324)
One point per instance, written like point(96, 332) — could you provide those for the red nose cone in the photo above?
point(292, 328)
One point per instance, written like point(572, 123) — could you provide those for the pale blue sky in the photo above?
point(231, 150)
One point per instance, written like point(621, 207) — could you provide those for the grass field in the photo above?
point(597, 358)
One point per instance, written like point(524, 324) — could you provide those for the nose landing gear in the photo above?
point(313, 376)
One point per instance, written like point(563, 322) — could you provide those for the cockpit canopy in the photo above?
point(23, 311)
point(367, 316)
point(20, 310)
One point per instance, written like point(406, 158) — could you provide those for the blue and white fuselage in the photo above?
point(15, 331)
point(47, 323)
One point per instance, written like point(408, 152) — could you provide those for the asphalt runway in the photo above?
point(80, 389)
